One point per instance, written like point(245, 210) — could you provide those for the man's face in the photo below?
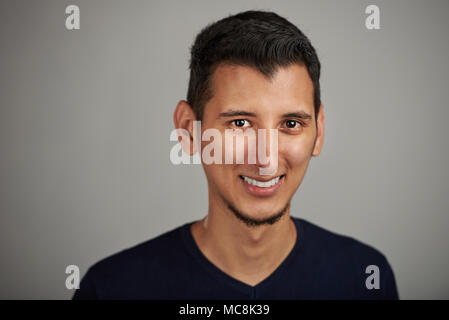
point(285, 103)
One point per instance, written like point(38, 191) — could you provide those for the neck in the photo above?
point(249, 254)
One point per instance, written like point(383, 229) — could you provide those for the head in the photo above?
point(255, 70)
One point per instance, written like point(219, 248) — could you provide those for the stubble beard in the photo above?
point(253, 222)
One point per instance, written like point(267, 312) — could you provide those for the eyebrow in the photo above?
point(300, 115)
point(233, 113)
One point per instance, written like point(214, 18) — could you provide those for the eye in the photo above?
point(291, 124)
point(241, 123)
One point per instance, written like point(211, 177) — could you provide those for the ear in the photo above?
point(183, 118)
point(320, 133)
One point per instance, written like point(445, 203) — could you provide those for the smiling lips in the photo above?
point(262, 188)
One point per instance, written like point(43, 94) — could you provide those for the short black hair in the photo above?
point(259, 39)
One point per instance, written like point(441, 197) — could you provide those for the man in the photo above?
point(254, 70)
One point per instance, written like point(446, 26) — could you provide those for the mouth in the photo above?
point(259, 187)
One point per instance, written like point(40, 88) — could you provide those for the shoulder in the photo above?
point(325, 242)
point(165, 246)
point(345, 265)
point(133, 266)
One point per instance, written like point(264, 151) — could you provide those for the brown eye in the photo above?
point(291, 124)
point(240, 123)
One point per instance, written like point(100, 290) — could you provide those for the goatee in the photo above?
point(252, 222)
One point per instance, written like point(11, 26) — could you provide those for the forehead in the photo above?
point(236, 86)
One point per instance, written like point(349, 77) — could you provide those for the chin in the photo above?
point(261, 210)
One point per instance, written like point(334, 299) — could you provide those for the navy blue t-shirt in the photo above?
point(321, 265)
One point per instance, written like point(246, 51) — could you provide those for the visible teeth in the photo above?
point(261, 184)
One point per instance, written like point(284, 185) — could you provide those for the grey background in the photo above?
point(86, 115)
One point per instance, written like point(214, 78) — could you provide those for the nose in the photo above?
point(267, 151)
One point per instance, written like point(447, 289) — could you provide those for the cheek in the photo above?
point(295, 153)
point(218, 172)
point(218, 177)
point(228, 149)
point(236, 149)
